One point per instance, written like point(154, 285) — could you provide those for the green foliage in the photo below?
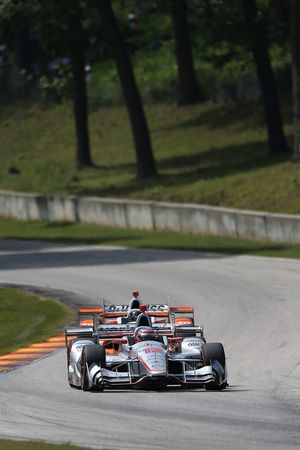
point(5, 11)
point(222, 55)
point(220, 46)
point(156, 73)
point(16, 10)
point(56, 84)
point(103, 85)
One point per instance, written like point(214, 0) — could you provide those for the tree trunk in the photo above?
point(296, 76)
point(145, 161)
point(23, 48)
point(188, 89)
point(277, 143)
point(76, 45)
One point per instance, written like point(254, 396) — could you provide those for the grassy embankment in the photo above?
point(210, 154)
point(27, 318)
point(31, 445)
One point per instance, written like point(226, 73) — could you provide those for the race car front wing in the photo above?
point(184, 372)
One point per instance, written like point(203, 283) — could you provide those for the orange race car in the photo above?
point(158, 313)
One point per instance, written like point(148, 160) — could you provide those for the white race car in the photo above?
point(142, 353)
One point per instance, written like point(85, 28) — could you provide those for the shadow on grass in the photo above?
point(221, 162)
point(204, 165)
point(59, 225)
point(249, 115)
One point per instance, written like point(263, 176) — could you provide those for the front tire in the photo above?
point(214, 351)
point(91, 354)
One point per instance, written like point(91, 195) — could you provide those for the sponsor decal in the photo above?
point(193, 344)
point(157, 307)
point(116, 308)
point(124, 308)
point(79, 347)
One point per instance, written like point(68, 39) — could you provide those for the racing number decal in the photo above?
point(153, 350)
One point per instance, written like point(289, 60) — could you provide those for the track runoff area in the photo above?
point(26, 355)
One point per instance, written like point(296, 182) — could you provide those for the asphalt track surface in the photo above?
point(250, 304)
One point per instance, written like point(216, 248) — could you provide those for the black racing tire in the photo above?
point(214, 351)
point(84, 376)
point(69, 346)
point(94, 354)
point(90, 354)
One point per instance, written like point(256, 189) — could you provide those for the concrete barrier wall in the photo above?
point(149, 215)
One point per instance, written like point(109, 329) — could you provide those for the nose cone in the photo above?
point(158, 367)
point(153, 357)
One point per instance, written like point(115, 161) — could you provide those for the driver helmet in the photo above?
point(133, 314)
point(144, 334)
point(135, 301)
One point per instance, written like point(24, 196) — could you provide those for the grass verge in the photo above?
point(215, 154)
point(34, 445)
point(95, 234)
point(26, 319)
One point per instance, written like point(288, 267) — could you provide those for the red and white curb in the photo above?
point(31, 353)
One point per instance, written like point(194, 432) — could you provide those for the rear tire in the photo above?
point(211, 352)
point(91, 354)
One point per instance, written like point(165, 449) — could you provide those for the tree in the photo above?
point(188, 89)
point(296, 76)
point(76, 49)
point(66, 37)
point(277, 143)
point(145, 160)
point(15, 51)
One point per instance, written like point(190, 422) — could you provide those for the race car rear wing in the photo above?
point(102, 331)
point(82, 332)
point(188, 330)
point(85, 315)
point(182, 309)
point(106, 331)
point(182, 315)
point(118, 331)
